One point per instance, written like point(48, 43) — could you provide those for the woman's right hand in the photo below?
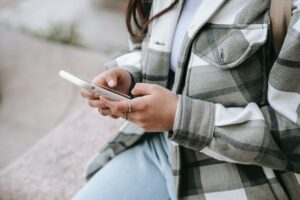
point(118, 79)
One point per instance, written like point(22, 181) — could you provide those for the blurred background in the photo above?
point(47, 132)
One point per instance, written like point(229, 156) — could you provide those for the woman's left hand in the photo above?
point(153, 110)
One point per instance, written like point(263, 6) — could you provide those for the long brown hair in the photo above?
point(137, 18)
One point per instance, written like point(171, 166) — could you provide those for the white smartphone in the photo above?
point(99, 90)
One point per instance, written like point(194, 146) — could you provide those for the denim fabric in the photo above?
point(142, 172)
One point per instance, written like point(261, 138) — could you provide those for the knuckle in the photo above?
point(141, 106)
point(118, 108)
point(103, 112)
point(90, 96)
point(90, 103)
point(99, 80)
point(101, 105)
point(114, 111)
point(112, 73)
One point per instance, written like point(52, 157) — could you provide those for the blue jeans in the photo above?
point(142, 172)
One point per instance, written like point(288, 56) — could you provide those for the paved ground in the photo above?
point(47, 132)
point(53, 168)
point(33, 99)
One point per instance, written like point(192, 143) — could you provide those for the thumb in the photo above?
point(141, 89)
point(111, 80)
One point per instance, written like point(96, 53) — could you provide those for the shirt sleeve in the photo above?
point(267, 136)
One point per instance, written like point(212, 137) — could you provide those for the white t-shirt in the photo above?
point(189, 9)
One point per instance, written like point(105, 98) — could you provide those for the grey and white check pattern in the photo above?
point(237, 129)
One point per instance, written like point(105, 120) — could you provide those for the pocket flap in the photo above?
point(228, 46)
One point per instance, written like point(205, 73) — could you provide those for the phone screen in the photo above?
point(88, 85)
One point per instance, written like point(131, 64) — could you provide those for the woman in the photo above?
point(229, 130)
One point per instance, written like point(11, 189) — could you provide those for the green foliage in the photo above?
point(60, 32)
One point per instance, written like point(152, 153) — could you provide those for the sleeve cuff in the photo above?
point(177, 114)
point(135, 74)
point(194, 123)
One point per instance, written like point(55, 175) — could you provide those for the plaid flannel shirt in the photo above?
point(237, 129)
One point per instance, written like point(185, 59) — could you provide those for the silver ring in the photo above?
point(126, 115)
point(129, 106)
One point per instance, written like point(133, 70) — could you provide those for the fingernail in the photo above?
point(111, 83)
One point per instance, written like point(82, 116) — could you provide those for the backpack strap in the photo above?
point(280, 15)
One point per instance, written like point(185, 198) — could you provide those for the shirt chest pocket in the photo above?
point(227, 46)
point(224, 66)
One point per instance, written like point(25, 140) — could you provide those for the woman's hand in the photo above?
point(154, 109)
point(118, 79)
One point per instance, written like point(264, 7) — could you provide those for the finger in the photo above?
point(97, 104)
point(100, 80)
point(132, 117)
point(142, 89)
point(94, 103)
point(87, 94)
point(137, 104)
point(115, 117)
point(105, 112)
point(117, 107)
point(111, 81)
point(111, 78)
point(124, 116)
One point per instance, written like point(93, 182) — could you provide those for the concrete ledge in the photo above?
point(53, 168)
